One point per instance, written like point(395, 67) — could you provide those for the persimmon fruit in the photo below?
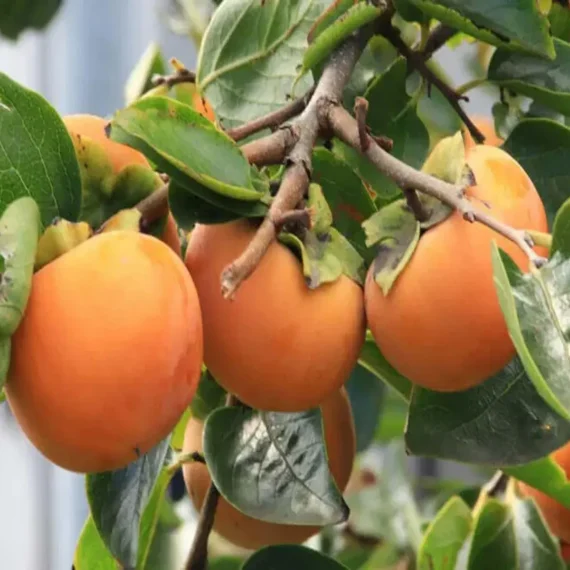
point(108, 354)
point(440, 324)
point(278, 345)
point(487, 128)
point(557, 516)
point(247, 532)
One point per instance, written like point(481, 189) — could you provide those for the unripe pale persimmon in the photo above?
point(487, 128)
point(441, 324)
point(278, 345)
point(108, 354)
point(556, 515)
point(247, 532)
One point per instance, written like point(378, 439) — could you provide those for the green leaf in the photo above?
point(493, 544)
point(117, 500)
point(366, 398)
point(325, 257)
point(177, 440)
point(347, 197)
point(384, 557)
point(372, 359)
point(559, 18)
point(287, 556)
point(561, 231)
point(19, 236)
point(295, 487)
point(186, 145)
point(445, 536)
point(393, 417)
point(91, 552)
point(18, 16)
point(250, 53)
point(536, 547)
point(209, 396)
point(397, 232)
point(37, 157)
point(2, 396)
point(535, 306)
point(392, 113)
point(542, 148)
point(225, 563)
point(409, 12)
point(546, 81)
point(5, 353)
point(139, 82)
point(517, 24)
point(502, 422)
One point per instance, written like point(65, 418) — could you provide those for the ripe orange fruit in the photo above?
point(556, 515)
point(441, 324)
point(487, 126)
point(108, 354)
point(93, 127)
point(203, 106)
point(278, 345)
point(565, 551)
point(251, 533)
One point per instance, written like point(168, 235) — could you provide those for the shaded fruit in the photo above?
point(108, 354)
point(556, 515)
point(170, 235)
point(278, 345)
point(487, 127)
point(251, 533)
point(441, 324)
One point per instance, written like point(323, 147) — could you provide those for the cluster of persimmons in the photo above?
point(116, 331)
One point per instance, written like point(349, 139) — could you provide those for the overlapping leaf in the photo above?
point(287, 556)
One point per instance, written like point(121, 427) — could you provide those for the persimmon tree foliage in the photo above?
point(281, 272)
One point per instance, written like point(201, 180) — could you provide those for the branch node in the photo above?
point(360, 112)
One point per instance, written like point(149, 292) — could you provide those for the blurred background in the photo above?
point(80, 64)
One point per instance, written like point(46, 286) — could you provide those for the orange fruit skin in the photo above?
point(441, 324)
point(93, 127)
point(556, 515)
point(487, 127)
point(108, 354)
point(565, 551)
point(251, 533)
point(203, 107)
point(278, 345)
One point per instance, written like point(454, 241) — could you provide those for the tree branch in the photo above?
point(416, 60)
point(437, 39)
point(271, 149)
point(345, 128)
point(271, 120)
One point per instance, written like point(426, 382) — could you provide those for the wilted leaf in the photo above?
point(37, 157)
point(273, 466)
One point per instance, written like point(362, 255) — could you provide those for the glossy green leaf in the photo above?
point(19, 236)
point(347, 197)
point(209, 396)
point(502, 422)
point(250, 53)
point(139, 82)
point(409, 12)
point(536, 547)
point(561, 231)
point(493, 544)
point(17, 16)
point(273, 466)
point(445, 536)
point(287, 556)
point(559, 18)
point(542, 148)
point(372, 359)
point(514, 23)
point(535, 306)
point(91, 552)
point(546, 81)
point(186, 145)
point(37, 157)
point(366, 398)
point(117, 500)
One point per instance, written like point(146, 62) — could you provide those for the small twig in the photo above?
point(193, 457)
point(301, 216)
point(271, 149)
point(360, 112)
point(155, 205)
point(437, 39)
point(271, 120)
point(181, 76)
point(345, 128)
point(415, 204)
point(417, 61)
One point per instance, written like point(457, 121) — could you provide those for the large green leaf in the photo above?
point(287, 556)
point(546, 81)
point(17, 16)
point(535, 306)
point(561, 231)
point(37, 157)
point(514, 23)
point(542, 148)
point(209, 396)
point(273, 466)
point(91, 552)
point(445, 536)
point(502, 422)
point(117, 500)
point(250, 53)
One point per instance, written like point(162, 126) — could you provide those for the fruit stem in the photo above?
point(192, 457)
point(541, 239)
point(468, 85)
